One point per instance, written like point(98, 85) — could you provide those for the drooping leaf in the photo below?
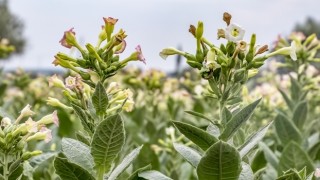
point(258, 162)
point(199, 115)
point(124, 164)
point(78, 153)
point(83, 138)
point(153, 175)
point(221, 161)
point(295, 89)
point(134, 175)
point(100, 99)
point(253, 140)
point(286, 130)
point(269, 155)
point(189, 154)
point(198, 136)
point(287, 100)
point(237, 120)
point(293, 156)
point(300, 114)
point(38, 160)
point(246, 172)
point(107, 141)
point(70, 171)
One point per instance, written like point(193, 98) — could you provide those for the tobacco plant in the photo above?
point(296, 141)
point(224, 149)
point(97, 151)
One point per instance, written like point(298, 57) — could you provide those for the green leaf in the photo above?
point(221, 161)
point(237, 120)
point(70, 171)
point(83, 138)
point(134, 175)
point(15, 170)
point(213, 130)
point(199, 115)
point(100, 99)
point(286, 130)
point(246, 172)
point(37, 160)
point(258, 162)
point(125, 163)
point(287, 100)
point(198, 136)
point(153, 175)
point(253, 140)
point(269, 155)
point(107, 141)
point(189, 154)
point(87, 125)
point(295, 89)
point(226, 115)
point(78, 153)
point(300, 114)
point(293, 156)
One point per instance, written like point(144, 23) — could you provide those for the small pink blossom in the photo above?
point(317, 173)
point(110, 20)
point(140, 55)
point(47, 132)
point(55, 118)
point(63, 41)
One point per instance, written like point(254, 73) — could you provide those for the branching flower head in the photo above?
point(234, 33)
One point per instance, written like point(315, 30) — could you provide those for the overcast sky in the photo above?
point(154, 24)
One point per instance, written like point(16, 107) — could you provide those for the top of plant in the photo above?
point(102, 60)
point(229, 65)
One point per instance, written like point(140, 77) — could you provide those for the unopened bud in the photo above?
point(227, 18)
point(199, 30)
point(262, 49)
point(192, 30)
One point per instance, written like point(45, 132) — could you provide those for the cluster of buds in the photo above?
point(229, 65)
point(119, 99)
point(102, 59)
point(306, 47)
point(15, 134)
point(5, 48)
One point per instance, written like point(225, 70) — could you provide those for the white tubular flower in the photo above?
point(211, 62)
point(5, 122)
point(25, 112)
point(43, 134)
point(128, 105)
point(169, 51)
point(48, 119)
point(71, 82)
point(113, 87)
point(234, 33)
point(31, 126)
point(56, 103)
point(55, 81)
point(289, 51)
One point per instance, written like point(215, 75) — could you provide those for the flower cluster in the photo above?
point(5, 48)
point(15, 134)
point(102, 60)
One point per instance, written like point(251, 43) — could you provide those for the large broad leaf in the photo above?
point(246, 172)
point(125, 163)
point(294, 157)
point(237, 120)
point(221, 161)
point(107, 142)
point(286, 130)
point(100, 99)
point(253, 140)
point(300, 114)
point(38, 160)
point(269, 155)
point(70, 171)
point(198, 136)
point(153, 175)
point(189, 154)
point(78, 153)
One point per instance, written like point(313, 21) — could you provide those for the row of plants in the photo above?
point(221, 119)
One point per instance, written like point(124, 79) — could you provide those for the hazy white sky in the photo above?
point(154, 24)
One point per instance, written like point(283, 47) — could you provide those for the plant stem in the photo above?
point(100, 173)
point(5, 167)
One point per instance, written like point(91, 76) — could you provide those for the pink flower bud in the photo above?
point(64, 42)
point(140, 55)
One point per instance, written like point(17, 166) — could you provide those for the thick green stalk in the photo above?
point(5, 167)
